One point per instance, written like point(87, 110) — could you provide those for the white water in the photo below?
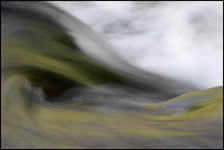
point(181, 40)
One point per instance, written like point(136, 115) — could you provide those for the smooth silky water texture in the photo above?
point(55, 95)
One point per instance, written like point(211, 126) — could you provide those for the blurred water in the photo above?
point(63, 86)
point(182, 40)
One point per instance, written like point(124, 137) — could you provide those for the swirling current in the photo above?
point(63, 87)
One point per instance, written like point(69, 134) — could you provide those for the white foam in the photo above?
point(182, 40)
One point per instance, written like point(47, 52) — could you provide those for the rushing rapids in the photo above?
point(63, 87)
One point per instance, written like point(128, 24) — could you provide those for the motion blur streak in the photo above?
point(62, 86)
point(187, 36)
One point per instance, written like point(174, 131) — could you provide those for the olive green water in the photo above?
point(55, 96)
